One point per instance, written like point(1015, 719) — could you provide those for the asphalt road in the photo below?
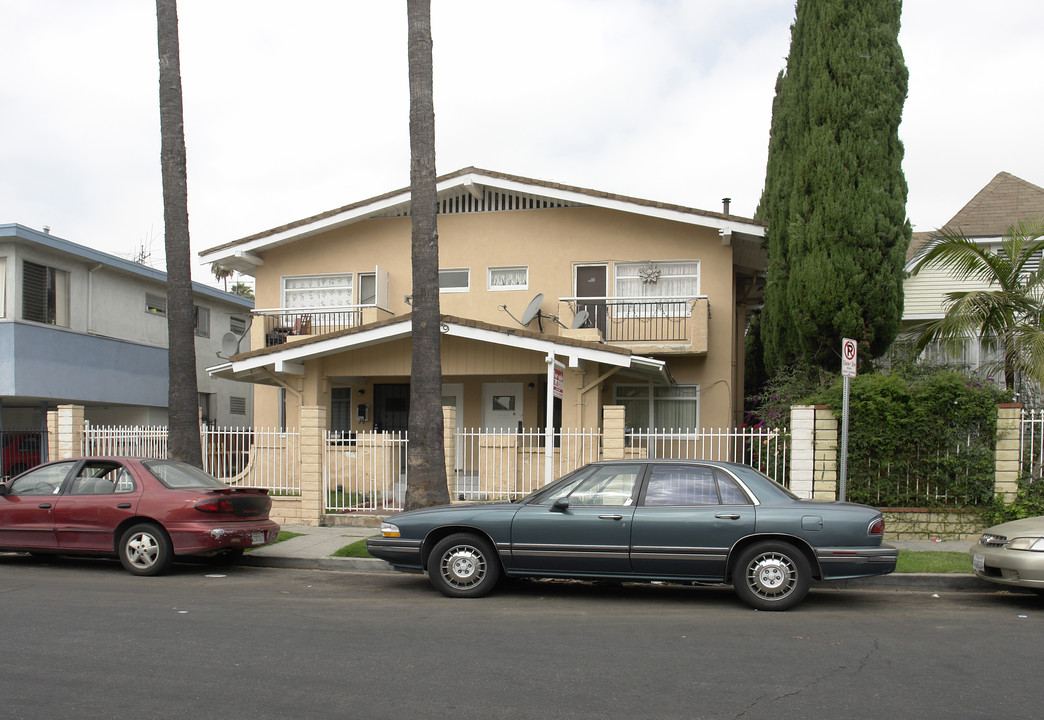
point(83, 639)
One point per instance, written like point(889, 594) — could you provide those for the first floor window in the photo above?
point(341, 409)
point(662, 408)
point(237, 405)
point(45, 294)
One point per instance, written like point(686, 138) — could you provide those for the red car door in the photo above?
point(100, 495)
point(27, 507)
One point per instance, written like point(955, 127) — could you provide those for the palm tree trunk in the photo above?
point(182, 395)
point(427, 463)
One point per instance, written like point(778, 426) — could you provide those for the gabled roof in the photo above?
point(481, 188)
point(1003, 202)
point(262, 365)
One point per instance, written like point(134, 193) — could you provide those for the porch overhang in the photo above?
point(268, 365)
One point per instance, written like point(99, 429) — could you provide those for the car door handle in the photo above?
point(45, 506)
point(611, 517)
point(728, 516)
point(123, 506)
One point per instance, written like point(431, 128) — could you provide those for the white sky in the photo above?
point(293, 108)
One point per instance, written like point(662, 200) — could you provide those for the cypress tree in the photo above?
point(835, 193)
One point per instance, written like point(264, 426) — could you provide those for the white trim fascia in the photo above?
point(922, 316)
point(299, 352)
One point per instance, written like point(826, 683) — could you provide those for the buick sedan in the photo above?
point(663, 520)
point(146, 512)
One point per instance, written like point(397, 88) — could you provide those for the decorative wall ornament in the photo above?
point(649, 274)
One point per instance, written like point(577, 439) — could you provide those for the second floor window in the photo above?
point(658, 279)
point(201, 315)
point(454, 280)
point(317, 291)
point(509, 278)
point(45, 294)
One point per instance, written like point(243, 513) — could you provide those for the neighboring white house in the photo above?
point(987, 216)
point(83, 327)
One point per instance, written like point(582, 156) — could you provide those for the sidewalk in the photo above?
point(313, 548)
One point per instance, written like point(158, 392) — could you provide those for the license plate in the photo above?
point(979, 562)
point(258, 537)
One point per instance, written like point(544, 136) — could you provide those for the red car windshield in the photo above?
point(179, 476)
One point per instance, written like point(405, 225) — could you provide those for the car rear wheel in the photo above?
point(463, 565)
point(146, 550)
point(771, 576)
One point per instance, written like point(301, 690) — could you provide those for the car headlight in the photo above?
point(1027, 543)
point(389, 530)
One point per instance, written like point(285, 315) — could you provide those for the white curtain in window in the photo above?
point(674, 279)
point(311, 291)
point(508, 277)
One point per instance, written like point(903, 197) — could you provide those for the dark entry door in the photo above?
point(591, 282)
point(391, 407)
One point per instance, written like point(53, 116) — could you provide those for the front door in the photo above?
point(592, 282)
point(502, 406)
point(391, 407)
point(27, 510)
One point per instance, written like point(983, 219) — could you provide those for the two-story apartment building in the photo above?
point(79, 326)
point(556, 301)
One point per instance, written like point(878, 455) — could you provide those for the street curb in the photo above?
point(925, 582)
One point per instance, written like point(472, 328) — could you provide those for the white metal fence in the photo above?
point(1031, 449)
point(364, 471)
point(761, 448)
point(146, 441)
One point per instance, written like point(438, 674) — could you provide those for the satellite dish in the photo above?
point(230, 344)
point(532, 310)
point(580, 319)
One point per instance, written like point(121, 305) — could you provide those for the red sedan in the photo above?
point(146, 512)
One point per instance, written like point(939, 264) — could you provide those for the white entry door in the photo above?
point(453, 396)
point(501, 406)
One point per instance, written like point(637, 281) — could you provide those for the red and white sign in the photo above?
point(559, 382)
point(848, 357)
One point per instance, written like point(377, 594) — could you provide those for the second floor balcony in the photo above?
point(662, 325)
point(279, 325)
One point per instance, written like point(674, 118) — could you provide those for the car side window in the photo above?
point(608, 485)
point(684, 485)
point(101, 478)
point(44, 480)
point(731, 493)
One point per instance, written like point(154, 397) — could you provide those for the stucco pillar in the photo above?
point(313, 457)
point(824, 481)
point(52, 434)
point(449, 441)
point(802, 450)
point(69, 432)
point(613, 432)
point(1006, 457)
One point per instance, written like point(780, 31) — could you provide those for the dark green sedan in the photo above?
point(665, 520)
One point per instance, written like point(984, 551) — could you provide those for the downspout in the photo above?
point(90, 297)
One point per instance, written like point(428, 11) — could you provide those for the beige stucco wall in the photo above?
point(550, 243)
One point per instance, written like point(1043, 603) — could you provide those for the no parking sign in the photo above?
point(848, 357)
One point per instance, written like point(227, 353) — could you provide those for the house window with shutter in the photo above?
point(155, 304)
point(45, 294)
point(237, 405)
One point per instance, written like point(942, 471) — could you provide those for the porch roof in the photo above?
point(265, 365)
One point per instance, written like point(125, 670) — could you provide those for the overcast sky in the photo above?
point(293, 108)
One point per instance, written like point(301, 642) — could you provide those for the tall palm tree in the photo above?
point(427, 462)
point(222, 273)
point(1007, 313)
point(182, 394)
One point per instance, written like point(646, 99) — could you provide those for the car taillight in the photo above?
point(216, 505)
point(876, 527)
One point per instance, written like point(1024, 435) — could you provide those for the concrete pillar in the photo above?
point(802, 450)
point(70, 432)
point(613, 432)
point(824, 481)
point(52, 434)
point(313, 459)
point(1006, 458)
point(449, 441)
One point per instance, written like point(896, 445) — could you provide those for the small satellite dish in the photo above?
point(580, 319)
point(532, 310)
point(230, 344)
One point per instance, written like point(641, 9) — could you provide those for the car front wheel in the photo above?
point(771, 576)
point(146, 550)
point(463, 565)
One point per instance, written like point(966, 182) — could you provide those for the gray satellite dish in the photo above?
point(580, 319)
point(230, 344)
point(532, 310)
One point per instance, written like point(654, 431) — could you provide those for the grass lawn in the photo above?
point(933, 561)
point(358, 550)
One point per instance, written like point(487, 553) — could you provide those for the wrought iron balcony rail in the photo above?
point(624, 320)
point(281, 323)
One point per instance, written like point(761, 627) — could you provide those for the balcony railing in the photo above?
point(626, 320)
point(281, 323)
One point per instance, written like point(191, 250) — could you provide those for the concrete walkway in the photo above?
point(314, 546)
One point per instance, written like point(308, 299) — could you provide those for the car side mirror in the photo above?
point(3, 488)
point(560, 505)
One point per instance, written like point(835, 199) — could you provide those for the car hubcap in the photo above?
point(142, 551)
point(463, 566)
point(771, 576)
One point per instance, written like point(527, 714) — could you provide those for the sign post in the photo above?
point(848, 371)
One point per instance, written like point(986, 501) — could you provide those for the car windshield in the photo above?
point(539, 493)
point(178, 476)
